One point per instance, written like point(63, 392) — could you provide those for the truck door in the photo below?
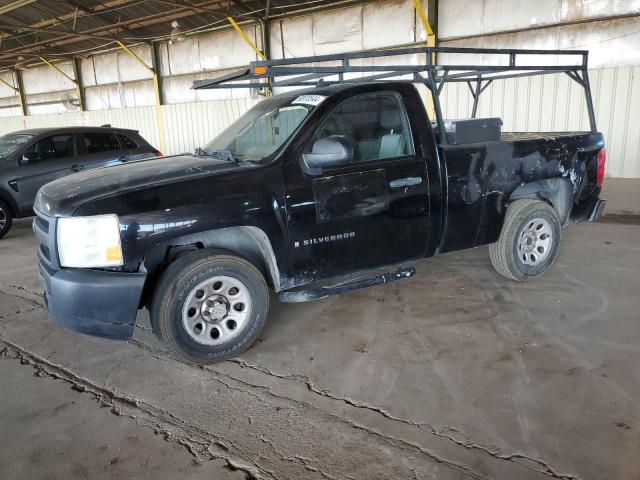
point(49, 158)
point(369, 212)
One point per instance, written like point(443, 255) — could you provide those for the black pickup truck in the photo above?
point(310, 193)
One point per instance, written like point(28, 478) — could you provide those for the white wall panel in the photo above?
point(46, 79)
point(5, 90)
point(459, 18)
point(387, 23)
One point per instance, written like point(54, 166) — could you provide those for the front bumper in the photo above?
point(99, 303)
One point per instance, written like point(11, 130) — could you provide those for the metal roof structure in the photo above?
point(61, 29)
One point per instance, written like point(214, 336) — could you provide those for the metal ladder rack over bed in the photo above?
point(325, 70)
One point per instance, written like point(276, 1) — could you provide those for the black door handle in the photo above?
point(76, 168)
point(405, 182)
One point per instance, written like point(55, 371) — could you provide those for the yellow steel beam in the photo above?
point(246, 38)
point(9, 85)
point(431, 36)
point(431, 42)
point(71, 79)
point(156, 90)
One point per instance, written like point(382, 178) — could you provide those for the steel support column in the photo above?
point(77, 72)
point(19, 91)
point(156, 89)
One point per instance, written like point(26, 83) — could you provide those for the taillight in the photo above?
point(157, 153)
point(602, 160)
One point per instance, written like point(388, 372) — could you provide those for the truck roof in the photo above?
point(329, 90)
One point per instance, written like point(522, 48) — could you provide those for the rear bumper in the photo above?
point(98, 303)
point(598, 208)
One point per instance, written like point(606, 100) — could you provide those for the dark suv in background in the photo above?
point(31, 158)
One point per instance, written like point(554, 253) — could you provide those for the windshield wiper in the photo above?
point(219, 154)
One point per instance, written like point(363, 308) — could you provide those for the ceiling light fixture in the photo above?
point(176, 33)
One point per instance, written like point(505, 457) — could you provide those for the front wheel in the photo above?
point(6, 218)
point(209, 306)
point(529, 241)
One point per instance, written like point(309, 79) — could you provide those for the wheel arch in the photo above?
point(557, 192)
point(7, 198)
point(248, 242)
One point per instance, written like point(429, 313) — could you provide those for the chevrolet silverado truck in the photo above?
point(310, 193)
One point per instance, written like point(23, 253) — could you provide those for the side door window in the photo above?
point(127, 142)
point(56, 146)
point(102, 149)
point(98, 142)
point(375, 125)
point(50, 158)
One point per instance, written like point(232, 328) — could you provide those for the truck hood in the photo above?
point(65, 195)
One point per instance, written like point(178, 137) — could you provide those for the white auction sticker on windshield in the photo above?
point(309, 100)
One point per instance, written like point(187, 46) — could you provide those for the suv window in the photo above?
point(375, 124)
point(127, 142)
point(56, 146)
point(100, 142)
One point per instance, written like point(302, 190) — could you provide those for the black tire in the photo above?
point(6, 218)
point(179, 283)
point(512, 255)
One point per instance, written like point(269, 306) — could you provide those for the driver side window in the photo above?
point(375, 125)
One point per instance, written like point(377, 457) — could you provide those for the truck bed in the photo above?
point(481, 177)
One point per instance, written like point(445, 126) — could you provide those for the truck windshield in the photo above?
point(10, 142)
point(258, 134)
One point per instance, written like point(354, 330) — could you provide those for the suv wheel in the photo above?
point(529, 241)
point(6, 218)
point(209, 306)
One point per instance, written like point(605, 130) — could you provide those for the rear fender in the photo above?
point(556, 191)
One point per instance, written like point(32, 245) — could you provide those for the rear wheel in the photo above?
point(6, 218)
point(209, 306)
point(529, 241)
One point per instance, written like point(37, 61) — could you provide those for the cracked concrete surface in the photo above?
point(453, 374)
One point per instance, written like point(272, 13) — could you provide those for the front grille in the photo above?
point(44, 228)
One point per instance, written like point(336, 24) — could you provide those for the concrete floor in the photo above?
point(455, 373)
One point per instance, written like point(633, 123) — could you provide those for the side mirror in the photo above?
point(327, 152)
point(30, 157)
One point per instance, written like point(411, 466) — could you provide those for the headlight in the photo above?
point(89, 242)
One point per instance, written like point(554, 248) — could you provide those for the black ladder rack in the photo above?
point(325, 70)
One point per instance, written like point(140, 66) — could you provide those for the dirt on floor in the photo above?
point(454, 373)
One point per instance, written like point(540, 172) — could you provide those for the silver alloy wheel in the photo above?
point(217, 310)
point(535, 242)
point(3, 218)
